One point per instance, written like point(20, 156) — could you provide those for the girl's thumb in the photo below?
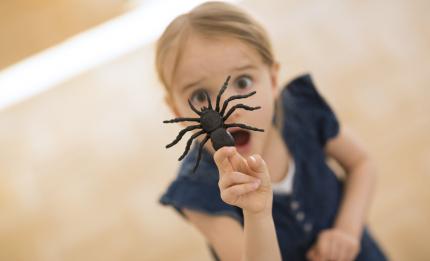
point(257, 164)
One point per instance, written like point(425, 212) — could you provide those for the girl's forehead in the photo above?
point(204, 57)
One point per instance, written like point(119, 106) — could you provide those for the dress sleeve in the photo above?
point(198, 191)
point(314, 109)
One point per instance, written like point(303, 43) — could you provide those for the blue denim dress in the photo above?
point(313, 204)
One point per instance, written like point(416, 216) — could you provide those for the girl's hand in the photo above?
point(334, 245)
point(244, 183)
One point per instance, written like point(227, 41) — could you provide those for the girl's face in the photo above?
point(204, 66)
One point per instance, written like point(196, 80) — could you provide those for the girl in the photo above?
point(272, 196)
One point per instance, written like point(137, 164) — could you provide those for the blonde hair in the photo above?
point(211, 19)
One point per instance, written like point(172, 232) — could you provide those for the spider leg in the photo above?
point(235, 97)
point(181, 134)
point(200, 152)
point(243, 126)
point(241, 106)
point(182, 119)
point(190, 141)
point(193, 108)
point(209, 100)
point(221, 91)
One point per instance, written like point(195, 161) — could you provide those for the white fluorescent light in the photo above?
point(88, 49)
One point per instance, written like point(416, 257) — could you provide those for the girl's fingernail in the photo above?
point(256, 183)
point(252, 159)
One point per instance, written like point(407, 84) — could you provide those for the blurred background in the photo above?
point(82, 157)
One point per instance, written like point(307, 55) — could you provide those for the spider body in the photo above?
point(212, 122)
point(220, 138)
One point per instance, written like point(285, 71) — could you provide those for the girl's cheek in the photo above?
point(266, 114)
point(187, 112)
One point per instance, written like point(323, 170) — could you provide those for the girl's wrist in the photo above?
point(263, 213)
point(350, 230)
point(266, 213)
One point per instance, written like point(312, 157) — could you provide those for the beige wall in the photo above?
point(82, 165)
point(29, 26)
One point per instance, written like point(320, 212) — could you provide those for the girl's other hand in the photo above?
point(334, 245)
point(244, 183)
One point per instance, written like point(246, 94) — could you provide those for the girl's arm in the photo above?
point(244, 183)
point(260, 241)
point(257, 241)
point(359, 185)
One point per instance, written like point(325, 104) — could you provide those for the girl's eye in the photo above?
point(198, 96)
point(244, 82)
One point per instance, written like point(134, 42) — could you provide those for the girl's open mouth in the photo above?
point(242, 139)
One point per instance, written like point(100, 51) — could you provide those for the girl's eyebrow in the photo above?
point(191, 84)
point(240, 68)
point(244, 67)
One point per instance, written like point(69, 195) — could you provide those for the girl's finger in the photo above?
point(238, 162)
point(231, 193)
point(221, 158)
point(234, 178)
point(347, 254)
point(311, 255)
point(353, 251)
point(257, 164)
point(323, 249)
point(334, 251)
point(314, 254)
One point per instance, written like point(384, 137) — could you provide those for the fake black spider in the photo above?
point(212, 123)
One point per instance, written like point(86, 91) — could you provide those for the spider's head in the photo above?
point(211, 120)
